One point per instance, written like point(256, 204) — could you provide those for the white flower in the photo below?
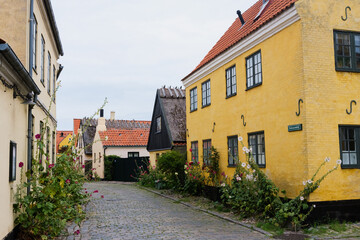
point(310, 181)
point(176, 173)
point(185, 172)
point(327, 159)
point(338, 161)
point(304, 183)
point(238, 178)
point(247, 151)
point(255, 179)
point(185, 166)
point(244, 149)
point(302, 198)
point(230, 196)
point(254, 171)
point(314, 206)
point(106, 138)
point(250, 149)
point(226, 176)
point(223, 185)
point(248, 166)
point(249, 177)
point(240, 138)
point(243, 164)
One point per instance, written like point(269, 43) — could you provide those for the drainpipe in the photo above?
point(30, 119)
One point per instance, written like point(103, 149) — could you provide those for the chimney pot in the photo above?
point(101, 112)
point(112, 115)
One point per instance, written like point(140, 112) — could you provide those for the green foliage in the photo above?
point(55, 196)
point(172, 164)
point(194, 180)
point(108, 167)
point(213, 168)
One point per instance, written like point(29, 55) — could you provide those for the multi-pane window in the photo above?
point(42, 63)
point(34, 42)
point(347, 51)
point(194, 152)
point(230, 81)
point(232, 150)
point(47, 143)
point(158, 124)
point(349, 146)
point(133, 154)
point(41, 138)
point(49, 73)
point(257, 144)
point(12, 163)
point(193, 99)
point(206, 96)
point(54, 82)
point(206, 151)
point(253, 70)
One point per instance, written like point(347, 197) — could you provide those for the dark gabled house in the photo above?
point(168, 123)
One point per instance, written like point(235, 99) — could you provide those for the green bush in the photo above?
point(172, 164)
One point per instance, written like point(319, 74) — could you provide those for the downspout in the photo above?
point(30, 120)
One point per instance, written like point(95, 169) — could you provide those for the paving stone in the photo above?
point(128, 212)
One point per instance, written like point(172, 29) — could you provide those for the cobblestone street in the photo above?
point(129, 212)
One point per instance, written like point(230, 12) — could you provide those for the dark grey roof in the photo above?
point(54, 28)
point(173, 104)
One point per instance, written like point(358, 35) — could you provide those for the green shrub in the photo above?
point(194, 179)
point(108, 167)
point(172, 164)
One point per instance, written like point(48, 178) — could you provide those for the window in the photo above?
point(257, 144)
point(194, 152)
point(94, 157)
point(47, 143)
point(41, 138)
point(54, 83)
point(233, 150)
point(193, 99)
point(42, 64)
point(158, 124)
point(230, 81)
point(349, 146)
point(206, 99)
point(206, 151)
point(99, 157)
point(347, 51)
point(12, 168)
point(34, 42)
point(133, 154)
point(53, 148)
point(49, 73)
point(253, 70)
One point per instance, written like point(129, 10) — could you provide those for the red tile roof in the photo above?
point(125, 137)
point(236, 32)
point(60, 137)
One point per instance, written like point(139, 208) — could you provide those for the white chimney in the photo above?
point(101, 122)
point(112, 115)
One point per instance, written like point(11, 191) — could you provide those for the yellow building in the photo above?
point(63, 140)
point(30, 29)
point(284, 77)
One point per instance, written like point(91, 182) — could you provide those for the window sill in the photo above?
point(253, 86)
point(347, 70)
point(206, 106)
point(350, 167)
point(232, 95)
point(34, 70)
point(232, 166)
point(42, 82)
point(193, 110)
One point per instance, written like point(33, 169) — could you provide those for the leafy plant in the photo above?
point(213, 168)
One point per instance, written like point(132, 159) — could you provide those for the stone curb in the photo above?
point(210, 212)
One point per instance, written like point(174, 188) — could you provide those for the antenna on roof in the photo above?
point(240, 17)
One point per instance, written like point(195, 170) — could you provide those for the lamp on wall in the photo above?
point(29, 100)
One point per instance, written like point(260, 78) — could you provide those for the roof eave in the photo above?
point(54, 28)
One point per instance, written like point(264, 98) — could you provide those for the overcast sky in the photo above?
point(123, 50)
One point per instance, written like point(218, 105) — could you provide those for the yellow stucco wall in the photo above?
point(66, 141)
point(153, 156)
point(297, 62)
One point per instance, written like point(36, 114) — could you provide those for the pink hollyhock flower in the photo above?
point(96, 191)
point(102, 196)
point(51, 166)
point(21, 164)
point(68, 181)
point(85, 191)
point(77, 232)
point(190, 150)
point(83, 166)
point(37, 136)
point(76, 182)
point(90, 195)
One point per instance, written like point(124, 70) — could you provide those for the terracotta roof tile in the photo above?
point(76, 125)
point(60, 135)
point(236, 32)
point(125, 137)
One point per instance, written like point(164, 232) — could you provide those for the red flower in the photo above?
point(68, 181)
point(21, 164)
point(51, 166)
point(96, 191)
point(102, 196)
point(83, 166)
point(77, 232)
point(85, 191)
point(37, 136)
point(90, 195)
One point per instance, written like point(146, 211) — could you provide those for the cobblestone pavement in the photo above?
point(129, 212)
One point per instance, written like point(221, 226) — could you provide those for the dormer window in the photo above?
point(158, 124)
point(265, 3)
